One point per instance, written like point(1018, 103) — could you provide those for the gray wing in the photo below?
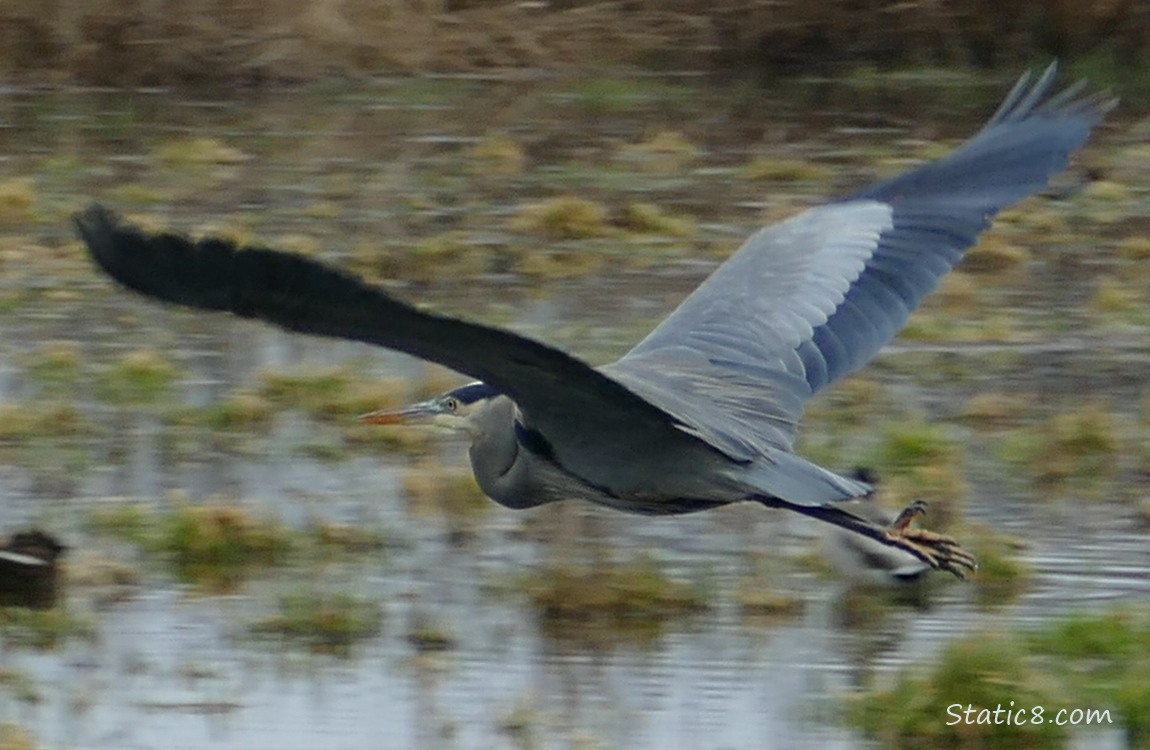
point(805, 302)
point(726, 361)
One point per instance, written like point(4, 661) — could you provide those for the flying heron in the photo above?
point(703, 411)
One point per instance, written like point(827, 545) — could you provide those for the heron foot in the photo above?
point(939, 551)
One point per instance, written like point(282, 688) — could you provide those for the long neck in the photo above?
point(502, 466)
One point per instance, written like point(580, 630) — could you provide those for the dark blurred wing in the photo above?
point(817, 296)
point(588, 417)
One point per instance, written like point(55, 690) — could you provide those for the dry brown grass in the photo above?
point(206, 41)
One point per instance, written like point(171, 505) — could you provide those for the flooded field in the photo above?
point(249, 567)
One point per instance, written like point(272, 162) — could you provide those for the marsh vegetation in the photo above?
point(239, 546)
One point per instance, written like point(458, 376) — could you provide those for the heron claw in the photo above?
point(939, 551)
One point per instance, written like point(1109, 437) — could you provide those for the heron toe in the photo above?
point(939, 551)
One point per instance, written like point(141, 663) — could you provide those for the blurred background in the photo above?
point(246, 566)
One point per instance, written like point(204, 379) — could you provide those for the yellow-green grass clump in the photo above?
point(18, 197)
point(21, 687)
point(451, 491)
point(446, 255)
point(218, 539)
point(236, 229)
point(992, 410)
point(910, 444)
point(984, 672)
point(993, 254)
point(564, 217)
point(241, 410)
point(13, 737)
point(600, 95)
point(647, 218)
point(1079, 443)
point(498, 155)
point(19, 422)
point(613, 594)
point(665, 152)
point(333, 393)
point(346, 537)
point(785, 169)
point(43, 628)
point(760, 602)
point(323, 210)
point(131, 521)
point(1135, 247)
point(1041, 220)
point(1001, 574)
point(958, 293)
point(412, 440)
point(854, 400)
point(223, 535)
point(363, 395)
point(136, 194)
point(936, 325)
point(1104, 202)
point(323, 622)
point(1114, 298)
point(197, 152)
point(1130, 163)
point(921, 460)
point(58, 364)
point(298, 243)
point(555, 263)
point(1103, 662)
point(93, 570)
point(429, 637)
point(138, 377)
point(952, 314)
point(191, 165)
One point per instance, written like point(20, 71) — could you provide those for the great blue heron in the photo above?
point(702, 412)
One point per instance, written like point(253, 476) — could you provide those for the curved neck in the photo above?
point(502, 466)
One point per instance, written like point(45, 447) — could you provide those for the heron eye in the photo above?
point(452, 404)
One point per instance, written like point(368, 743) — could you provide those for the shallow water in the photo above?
point(384, 164)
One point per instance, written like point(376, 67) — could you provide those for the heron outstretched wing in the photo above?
point(588, 417)
point(814, 298)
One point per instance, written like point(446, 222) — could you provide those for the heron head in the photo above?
point(455, 410)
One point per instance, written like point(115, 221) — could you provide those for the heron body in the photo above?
point(704, 410)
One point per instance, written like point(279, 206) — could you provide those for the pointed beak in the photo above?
point(420, 412)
